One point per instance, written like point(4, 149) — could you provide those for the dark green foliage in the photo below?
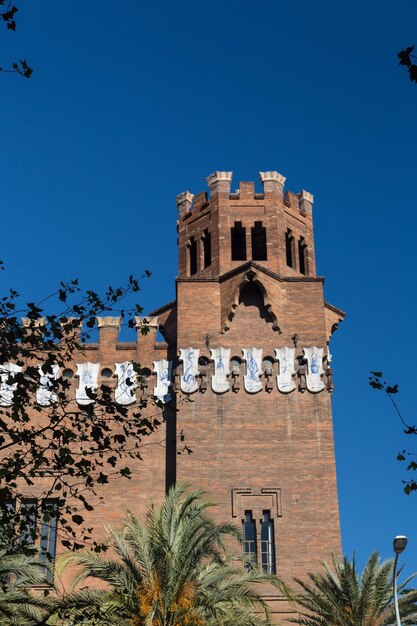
point(75, 448)
point(341, 597)
point(18, 606)
point(173, 569)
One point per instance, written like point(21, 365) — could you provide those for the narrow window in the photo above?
point(267, 544)
point(289, 248)
point(238, 233)
point(258, 234)
point(193, 256)
point(48, 535)
point(302, 255)
point(207, 248)
point(249, 541)
point(28, 521)
point(7, 522)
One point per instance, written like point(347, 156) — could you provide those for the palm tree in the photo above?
point(341, 597)
point(18, 606)
point(172, 570)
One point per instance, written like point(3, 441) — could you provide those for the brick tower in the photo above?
point(253, 379)
point(244, 372)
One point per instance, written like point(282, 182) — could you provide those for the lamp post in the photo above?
point(399, 543)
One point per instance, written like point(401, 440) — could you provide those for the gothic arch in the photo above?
point(251, 278)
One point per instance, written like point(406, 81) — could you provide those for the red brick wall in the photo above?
point(281, 443)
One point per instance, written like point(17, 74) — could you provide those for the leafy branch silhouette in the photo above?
point(377, 381)
point(8, 17)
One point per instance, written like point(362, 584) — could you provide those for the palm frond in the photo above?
point(340, 597)
point(174, 568)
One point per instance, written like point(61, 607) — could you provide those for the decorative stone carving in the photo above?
point(256, 499)
point(314, 358)
point(275, 176)
point(189, 357)
point(217, 177)
point(305, 202)
point(126, 383)
point(285, 380)
point(163, 370)
point(88, 375)
point(149, 322)
point(45, 396)
point(184, 202)
point(7, 390)
point(108, 321)
point(305, 195)
point(254, 277)
point(253, 358)
point(221, 358)
point(27, 322)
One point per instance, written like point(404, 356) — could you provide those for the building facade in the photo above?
point(244, 373)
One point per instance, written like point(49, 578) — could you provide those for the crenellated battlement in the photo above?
point(219, 183)
point(282, 370)
point(219, 229)
point(244, 376)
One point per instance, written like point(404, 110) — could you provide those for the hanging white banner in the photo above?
point(253, 358)
point(285, 358)
point(163, 370)
point(44, 394)
point(221, 358)
point(314, 358)
point(126, 383)
point(189, 357)
point(6, 390)
point(88, 375)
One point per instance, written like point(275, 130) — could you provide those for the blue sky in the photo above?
point(132, 103)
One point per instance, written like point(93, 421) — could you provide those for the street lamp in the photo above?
point(399, 543)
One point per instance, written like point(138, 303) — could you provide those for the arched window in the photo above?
point(207, 248)
point(249, 541)
point(48, 536)
point(258, 235)
point(267, 544)
point(302, 255)
point(289, 248)
point(192, 247)
point(238, 235)
point(252, 296)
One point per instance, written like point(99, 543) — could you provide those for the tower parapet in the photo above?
point(219, 232)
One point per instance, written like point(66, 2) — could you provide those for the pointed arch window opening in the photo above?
point(206, 239)
point(238, 242)
point(302, 255)
point(252, 295)
point(192, 251)
point(289, 248)
point(258, 237)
